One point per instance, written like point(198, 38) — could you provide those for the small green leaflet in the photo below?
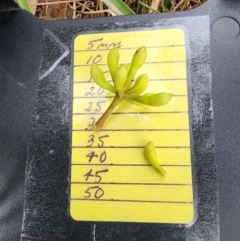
point(118, 7)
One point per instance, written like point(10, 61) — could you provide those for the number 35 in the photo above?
point(100, 139)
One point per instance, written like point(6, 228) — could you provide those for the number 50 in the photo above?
point(97, 194)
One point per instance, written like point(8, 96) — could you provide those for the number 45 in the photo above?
point(90, 174)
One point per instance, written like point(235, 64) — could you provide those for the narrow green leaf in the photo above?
point(139, 86)
point(151, 156)
point(138, 60)
point(167, 4)
point(159, 99)
point(148, 7)
point(112, 60)
point(120, 78)
point(24, 5)
point(119, 7)
point(99, 78)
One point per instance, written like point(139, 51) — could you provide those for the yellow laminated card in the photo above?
point(110, 178)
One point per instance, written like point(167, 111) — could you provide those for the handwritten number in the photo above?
point(95, 191)
point(90, 140)
point(89, 60)
point(98, 193)
point(91, 155)
point(98, 104)
point(103, 45)
point(88, 174)
point(96, 60)
point(101, 141)
point(87, 192)
point(91, 43)
point(97, 172)
point(90, 92)
point(97, 196)
point(103, 157)
point(100, 91)
point(90, 125)
point(89, 107)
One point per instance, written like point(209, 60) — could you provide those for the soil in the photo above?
point(55, 10)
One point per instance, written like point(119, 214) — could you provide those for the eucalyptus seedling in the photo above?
point(151, 156)
point(124, 86)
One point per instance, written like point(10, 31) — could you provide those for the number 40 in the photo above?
point(102, 157)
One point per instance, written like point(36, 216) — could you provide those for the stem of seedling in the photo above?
point(97, 126)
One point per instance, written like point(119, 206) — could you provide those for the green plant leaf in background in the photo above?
point(118, 7)
point(24, 5)
point(148, 7)
point(166, 6)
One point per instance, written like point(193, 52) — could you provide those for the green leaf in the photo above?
point(159, 99)
point(119, 79)
point(134, 102)
point(112, 60)
point(151, 156)
point(99, 78)
point(139, 86)
point(167, 5)
point(119, 7)
point(24, 5)
point(128, 66)
point(148, 7)
point(138, 60)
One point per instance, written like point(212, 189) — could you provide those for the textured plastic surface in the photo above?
point(18, 59)
point(48, 163)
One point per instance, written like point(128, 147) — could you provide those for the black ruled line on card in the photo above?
point(157, 62)
point(112, 130)
point(131, 147)
point(127, 165)
point(173, 79)
point(133, 183)
point(129, 113)
point(111, 97)
point(170, 79)
point(150, 47)
point(93, 97)
point(125, 200)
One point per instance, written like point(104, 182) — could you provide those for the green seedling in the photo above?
point(151, 156)
point(124, 87)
